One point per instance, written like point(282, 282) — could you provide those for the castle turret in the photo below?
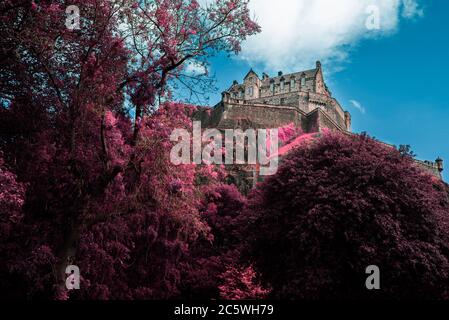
point(439, 163)
point(225, 96)
point(348, 120)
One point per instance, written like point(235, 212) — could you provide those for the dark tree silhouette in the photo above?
point(339, 204)
point(215, 270)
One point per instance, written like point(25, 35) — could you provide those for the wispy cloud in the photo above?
point(411, 9)
point(295, 33)
point(357, 105)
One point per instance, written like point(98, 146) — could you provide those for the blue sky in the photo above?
point(396, 76)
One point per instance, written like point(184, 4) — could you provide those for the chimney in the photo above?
point(279, 73)
point(318, 64)
point(439, 163)
point(235, 82)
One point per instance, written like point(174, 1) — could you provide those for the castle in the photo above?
point(301, 98)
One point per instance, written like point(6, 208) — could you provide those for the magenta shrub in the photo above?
point(342, 203)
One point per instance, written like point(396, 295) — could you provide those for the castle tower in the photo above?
point(251, 84)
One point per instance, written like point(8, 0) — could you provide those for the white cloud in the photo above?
point(357, 105)
point(296, 33)
point(195, 68)
point(411, 9)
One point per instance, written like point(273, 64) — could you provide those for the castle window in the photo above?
point(241, 94)
point(282, 85)
point(303, 81)
point(292, 83)
point(250, 91)
point(272, 87)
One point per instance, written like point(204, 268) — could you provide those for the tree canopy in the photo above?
point(85, 120)
point(340, 203)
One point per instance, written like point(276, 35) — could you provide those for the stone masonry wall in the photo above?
point(262, 116)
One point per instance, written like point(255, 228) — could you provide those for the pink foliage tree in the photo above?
point(101, 191)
